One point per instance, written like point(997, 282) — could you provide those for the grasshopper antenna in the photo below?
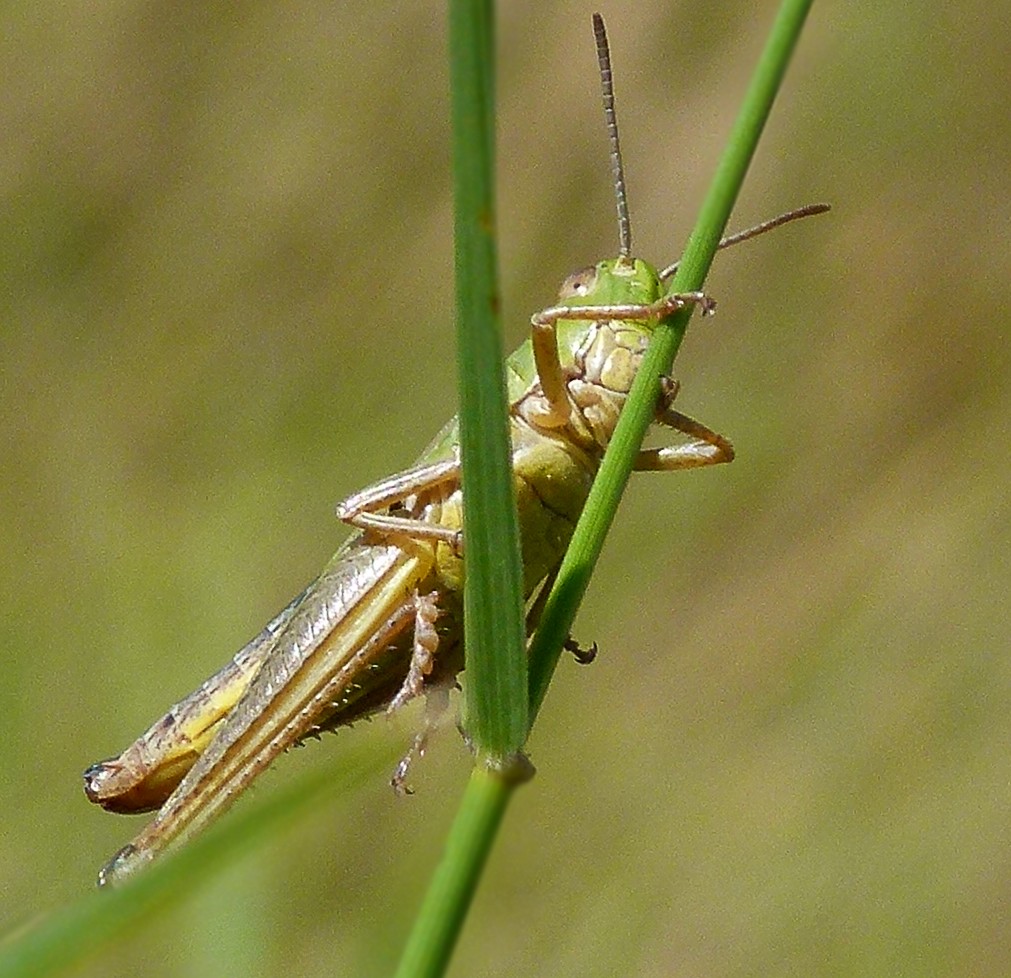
point(807, 211)
point(611, 119)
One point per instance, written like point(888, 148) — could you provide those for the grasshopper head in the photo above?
point(610, 283)
point(617, 281)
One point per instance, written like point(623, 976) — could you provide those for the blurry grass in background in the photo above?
point(791, 755)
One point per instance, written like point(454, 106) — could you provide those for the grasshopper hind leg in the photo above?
point(369, 508)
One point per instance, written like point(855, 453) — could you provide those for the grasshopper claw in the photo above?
point(583, 656)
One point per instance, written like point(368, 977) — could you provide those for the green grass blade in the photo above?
point(496, 680)
point(471, 837)
point(442, 914)
point(588, 539)
point(496, 675)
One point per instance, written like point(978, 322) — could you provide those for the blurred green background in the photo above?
point(227, 263)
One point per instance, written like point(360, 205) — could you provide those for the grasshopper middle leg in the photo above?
point(363, 509)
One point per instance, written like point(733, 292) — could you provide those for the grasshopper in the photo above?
point(383, 622)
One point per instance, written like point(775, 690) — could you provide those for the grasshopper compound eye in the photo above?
point(579, 283)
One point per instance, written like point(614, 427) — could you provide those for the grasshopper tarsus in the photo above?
point(436, 706)
point(398, 782)
point(583, 656)
point(681, 300)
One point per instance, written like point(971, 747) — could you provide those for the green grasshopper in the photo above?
point(383, 622)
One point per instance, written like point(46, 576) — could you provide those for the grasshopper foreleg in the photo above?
point(706, 447)
point(544, 339)
point(550, 372)
point(364, 508)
